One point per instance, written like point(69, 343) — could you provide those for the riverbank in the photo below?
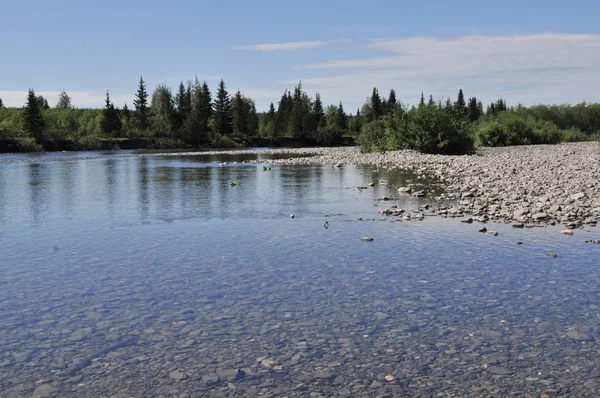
point(528, 185)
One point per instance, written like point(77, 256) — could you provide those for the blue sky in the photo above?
point(525, 51)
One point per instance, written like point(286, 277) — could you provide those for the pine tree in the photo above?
point(111, 123)
point(391, 103)
point(1, 103)
point(422, 102)
point(431, 101)
point(376, 105)
point(64, 101)
point(222, 113)
point(141, 107)
point(33, 121)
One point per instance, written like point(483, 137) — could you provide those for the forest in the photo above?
point(193, 118)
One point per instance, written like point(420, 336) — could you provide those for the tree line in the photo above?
point(460, 126)
point(192, 117)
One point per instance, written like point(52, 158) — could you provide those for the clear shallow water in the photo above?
point(151, 276)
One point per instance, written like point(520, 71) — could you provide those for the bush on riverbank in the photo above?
point(430, 128)
point(458, 127)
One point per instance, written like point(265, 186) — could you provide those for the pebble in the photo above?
point(529, 183)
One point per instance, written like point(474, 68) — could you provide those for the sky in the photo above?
point(527, 52)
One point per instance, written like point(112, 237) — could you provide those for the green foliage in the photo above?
point(11, 125)
point(508, 128)
point(431, 128)
point(1, 103)
point(61, 123)
point(33, 121)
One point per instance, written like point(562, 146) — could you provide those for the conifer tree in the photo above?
point(296, 122)
point(1, 103)
point(199, 116)
point(473, 110)
point(460, 104)
point(111, 123)
point(341, 118)
point(376, 105)
point(240, 115)
point(391, 103)
point(64, 101)
point(33, 121)
point(141, 107)
point(422, 102)
point(222, 112)
point(252, 117)
point(431, 101)
point(318, 113)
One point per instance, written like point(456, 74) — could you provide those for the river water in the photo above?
point(125, 274)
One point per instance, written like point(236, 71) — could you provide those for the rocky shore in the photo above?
point(526, 185)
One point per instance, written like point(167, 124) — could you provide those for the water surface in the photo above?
point(130, 275)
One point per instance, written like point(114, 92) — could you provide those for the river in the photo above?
point(140, 274)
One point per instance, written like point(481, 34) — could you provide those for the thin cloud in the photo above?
point(528, 69)
point(289, 46)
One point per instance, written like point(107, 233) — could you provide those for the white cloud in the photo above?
point(289, 46)
point(539, 68)
point(79, 99)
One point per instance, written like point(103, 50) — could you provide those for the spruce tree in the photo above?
point(240, 116)
point(376, 105)
point(460, 104)
point(222, 112)
point(199, 116)
point(391, 103)
point(1, 103)
point(141, 107)
point(422, 102)
point(111, 123)
point(125, 112)
point(318, 113)
point(33, 121)
point(341, 118)
point(431, 101)
point(358, 123)
point(252, 117)
point(473, 110)
point(64, 101)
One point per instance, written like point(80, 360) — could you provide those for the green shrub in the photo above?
point(432, 128)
